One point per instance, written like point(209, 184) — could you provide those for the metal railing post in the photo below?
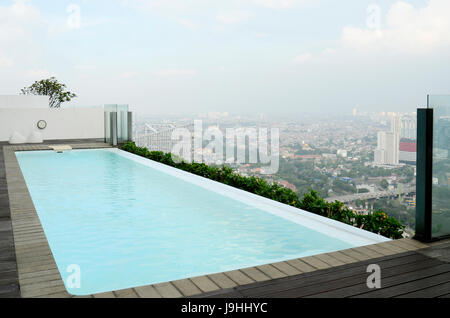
point(424, 174)
point(114, 128)
point(130, 126)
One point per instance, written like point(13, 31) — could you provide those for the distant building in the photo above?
point(370, 188)
point(287, 185)
point(387, 152)
point(408, 128)
point(329, 156)
point(408, 152)
point(308, 157)
point(388, 146)
point(342, 153)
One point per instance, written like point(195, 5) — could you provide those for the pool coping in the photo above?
point(39, 275)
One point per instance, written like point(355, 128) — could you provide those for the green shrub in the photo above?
point(377, 222)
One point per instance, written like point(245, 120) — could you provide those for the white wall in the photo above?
point(24, 101)
point(62, 123)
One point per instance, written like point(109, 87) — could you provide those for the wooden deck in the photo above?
point(416, 274)
point(9, 280)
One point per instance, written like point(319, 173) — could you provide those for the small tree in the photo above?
point(384, 184)
point(53, 89)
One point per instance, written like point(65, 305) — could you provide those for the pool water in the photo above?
point(125, 224)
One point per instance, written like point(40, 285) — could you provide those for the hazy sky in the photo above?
point(264, 56)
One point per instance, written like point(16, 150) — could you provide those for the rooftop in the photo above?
point(28, 269)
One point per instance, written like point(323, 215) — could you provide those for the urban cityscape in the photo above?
point(366, 160)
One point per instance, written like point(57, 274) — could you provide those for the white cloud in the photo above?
point(18, 23)
point(84, 67)
point(231, 17)
point(38, 74)
point(167, 4)
point(188, 23)
point(189, 4)
point(329, 51)
point(408, 29)
point(176, 73)
point(302, 58)
point(279, 4)
point(128, 75)
point(6, 61)
point(16, 20)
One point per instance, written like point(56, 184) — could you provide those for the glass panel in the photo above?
point(122, 122)
point(108, 110)
point(441, 165)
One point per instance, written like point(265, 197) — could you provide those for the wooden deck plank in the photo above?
point(356, 254)
point(318, 283)
point(398, 275)
point(239, 277)
point(347, 259)
point(125, 293)
point(9, 275)
point(167, 290)
point(325, 275)
point(435, 291)
point(286, 268)
point(187, 287)
point(271, 271)
point(255, 274)
point(301, 266)
point(315, 262)
point(147, 292)
point(330, 260)
point(222, 280)
point(204, 283)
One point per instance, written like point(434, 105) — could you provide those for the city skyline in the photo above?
point(251, 56)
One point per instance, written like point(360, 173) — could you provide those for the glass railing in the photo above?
point(441, 165)
point(121, 124)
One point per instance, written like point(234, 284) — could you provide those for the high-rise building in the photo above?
point(388, 147)
point(408, 127)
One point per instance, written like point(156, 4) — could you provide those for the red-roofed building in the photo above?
point(408, 152)
point(408, 146)
point(287, 185)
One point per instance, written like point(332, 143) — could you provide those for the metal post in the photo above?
point(130, 126)
point(424, 173)
point(114, 128)
point(107, 124)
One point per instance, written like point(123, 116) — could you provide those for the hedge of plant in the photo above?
point(377, 222)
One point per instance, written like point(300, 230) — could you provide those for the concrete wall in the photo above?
point(63, 123)
point(23, 101)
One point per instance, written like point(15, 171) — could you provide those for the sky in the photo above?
point(237, 56)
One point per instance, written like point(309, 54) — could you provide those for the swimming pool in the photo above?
point(126, 221)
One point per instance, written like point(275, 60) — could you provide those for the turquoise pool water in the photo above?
point(126, 224)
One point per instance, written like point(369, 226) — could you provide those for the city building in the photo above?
point(387, 152)
point(388, 145)
point(408, 152)
point(408, 127)
point(342, 153)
